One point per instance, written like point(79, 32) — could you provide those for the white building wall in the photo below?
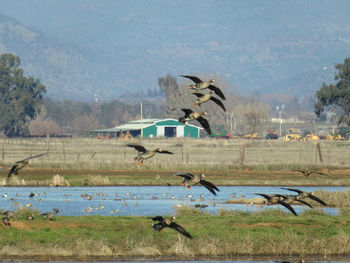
point(180, 131)
point(160, 131)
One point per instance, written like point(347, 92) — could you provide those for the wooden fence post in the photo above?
point(318, 153)
point(182, 153)
point(3, 152)
point(92, 156)
point(64, 152)
point(242, 154)
point(48, 146)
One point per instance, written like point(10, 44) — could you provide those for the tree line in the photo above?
point(24, 109)
point(78, 118)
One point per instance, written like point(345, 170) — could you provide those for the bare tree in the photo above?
point(44, 127)
point(179, 96)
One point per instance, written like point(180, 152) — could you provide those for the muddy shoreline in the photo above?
point(140, 258)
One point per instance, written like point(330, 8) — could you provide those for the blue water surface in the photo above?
point(139, 200)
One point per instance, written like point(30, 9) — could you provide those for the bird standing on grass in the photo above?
point(9, 214)
point(49, 215)
point(144, 154)
point(303, 195)
point(29, 217)
point(199, 85)
point(190, 115)
point(205, 97)
point(21, 164)
point(191, 179)
point(168, 222)
point(274, 200)
point(6, 221)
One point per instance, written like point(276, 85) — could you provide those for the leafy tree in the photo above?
point(20, 97)
point(336, 96)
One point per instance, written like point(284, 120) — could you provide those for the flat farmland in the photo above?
point(229, 162)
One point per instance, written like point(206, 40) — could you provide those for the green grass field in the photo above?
point(230, 233)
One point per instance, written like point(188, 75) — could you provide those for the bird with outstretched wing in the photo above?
point(20, 164)
point(168, 222)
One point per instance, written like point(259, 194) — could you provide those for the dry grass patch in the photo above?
point(96, 180)
point(58, 180)
point(48, 225)
point(17, 181)
point(91, 247)
point(335, 199)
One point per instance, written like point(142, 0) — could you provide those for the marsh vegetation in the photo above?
point(229, 233)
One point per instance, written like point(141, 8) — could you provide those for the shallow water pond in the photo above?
point(138, 200)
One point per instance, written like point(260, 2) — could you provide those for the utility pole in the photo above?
point(141, 118)
point(280, 124)
point(141, 111)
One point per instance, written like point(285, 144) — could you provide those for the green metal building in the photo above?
point(152, 128)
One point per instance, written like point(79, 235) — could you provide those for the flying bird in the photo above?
point(20, 164)
point(168, 222)
point(303, 195)
point(191, 179)
point(307, 173)
point(199, 85)
point(274, 200)
point(190, 115)
point(205, 97)
point(144, 154)
point(290, 199)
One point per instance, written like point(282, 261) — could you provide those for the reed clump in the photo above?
point(58, 180)
point(189, 211)
point(96, 180)
point(335, 198)
point(23, 212)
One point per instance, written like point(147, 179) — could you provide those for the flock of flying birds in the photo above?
point(191, 115)
point(189, 179)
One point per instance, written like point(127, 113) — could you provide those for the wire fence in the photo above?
point(91, 153)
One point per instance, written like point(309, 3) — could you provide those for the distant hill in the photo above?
point(125, 46)
point(66, 72)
